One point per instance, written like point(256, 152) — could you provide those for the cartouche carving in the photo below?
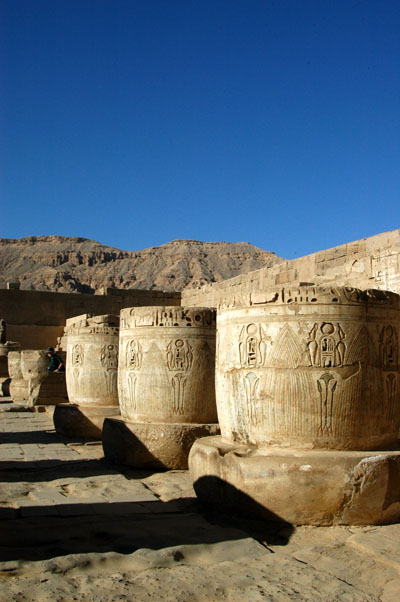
point(179, 355)
point(325, 345)
point(388, 347)
point(133, 355)
point(251, 346)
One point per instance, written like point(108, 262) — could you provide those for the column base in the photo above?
point(310, 487)
point(82, 422)
point(52, 390)
point(152, 445)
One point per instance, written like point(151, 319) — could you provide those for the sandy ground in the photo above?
point(73, 527)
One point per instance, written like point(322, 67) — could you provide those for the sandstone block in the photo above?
point(307, 387)
point(92, 359)
point(151, 445)
point(166, 386)
point(167, 365)
point(310, 368)
point(82, 422)
point(301, 487)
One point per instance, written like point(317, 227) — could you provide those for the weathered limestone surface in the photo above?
point(166, 371)
point(150, 444)
point(92, 359)
point(5, 348)
point(300, 372)
point(165, 381)
point(44, 388)
point(310, 367)
point(372, 262)
point(19, 387)
point(80, 421)
point(75, 527)
point(303, 487)
point(36, 319)
point(92, 367)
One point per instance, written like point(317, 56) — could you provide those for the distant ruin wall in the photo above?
point(368, 263)
point(36, 319)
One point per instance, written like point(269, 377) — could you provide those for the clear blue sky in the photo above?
point(136, 122)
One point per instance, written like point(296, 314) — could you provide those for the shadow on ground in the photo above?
point(122, 527)
point(14, 471)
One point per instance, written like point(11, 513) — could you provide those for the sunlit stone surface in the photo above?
point(301, 370)
point(19, 388)
point(44, 388)
point(165, 381)
point(92, 368)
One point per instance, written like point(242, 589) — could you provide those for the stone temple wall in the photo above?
point(368, 263)
point(36, 319)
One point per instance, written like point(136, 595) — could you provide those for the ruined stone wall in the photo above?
point(36, 319)
point(368, 263)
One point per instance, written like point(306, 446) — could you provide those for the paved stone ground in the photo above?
point(74, 527)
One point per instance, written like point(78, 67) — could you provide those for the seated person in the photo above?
point(55, 363)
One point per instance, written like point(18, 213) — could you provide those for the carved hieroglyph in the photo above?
point(92, 359)
point(311, 367)
point(167, 359)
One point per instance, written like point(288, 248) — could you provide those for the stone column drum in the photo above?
point(166, 386)
point(44, 388)
point(92, 368)
point(19, 388)
point(308, 396)
point(5, 349)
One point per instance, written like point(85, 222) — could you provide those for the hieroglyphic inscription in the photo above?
point(179, 360)
point(132, 384)
point(173, 316)
point(77, 358)
point(133, 362)
point(178, 385)
point(251, 383)
point(179, 355)
point(326, 345)
point(388, 348)
point(326, 387)
point(109, 361)
point(133, 355)
point(251, 346)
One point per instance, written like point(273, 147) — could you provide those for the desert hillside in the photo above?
point(70, 264)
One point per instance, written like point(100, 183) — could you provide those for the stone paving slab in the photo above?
point(64, 509)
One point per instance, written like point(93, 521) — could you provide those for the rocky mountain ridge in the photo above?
point(81, 265)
